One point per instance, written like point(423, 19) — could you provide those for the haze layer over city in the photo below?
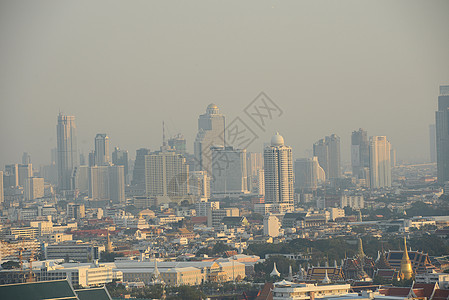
point(251, 150)
point(124, 68)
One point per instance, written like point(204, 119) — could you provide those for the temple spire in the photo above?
point(406, 264)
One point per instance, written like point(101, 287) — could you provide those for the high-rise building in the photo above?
point(2, 193)
point(380, 163)
point(120, 158)
point(359, 153)
point(442, 134)
point(11, 176)
point(25, 172)
point(67, 150)
point(166, 174)
point(433, 143)
point(229, 171)
point(102, 150)
point(139, 167)
point(308, 173)
point(82, 179)
point(278, 167)
point(116, 176)
point(26, 158)
point(199, 184)
point(76, 211)
point(328, 152)
point(254, 167)
point(34, 188)
point(178, 143)
point(211, 132)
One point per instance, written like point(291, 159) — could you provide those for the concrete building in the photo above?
point(359, 153)
point(199, 184)
point(328, 152)
point(79, 252)
point(102, 150)
point(304, 291)
point(166, 174)
point(211, 132)
point(24, 172)
point(308, 174)
point(34, 188)
point(178, 143)
point(254, 168)
point(120, 158)
point(138, 179)
point(81, 177)
point(214, 216)
point(442, 134)
point(229, 172)
point(11, 176)
point(76, 211)
point(67, 150)
point(278, 167)
point(433, 143)
point(271, 226)
point(353, 201)
point(116, 176)
point(380, 164)
point(107, 183)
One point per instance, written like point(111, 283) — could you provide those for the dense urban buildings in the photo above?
point(67, 151)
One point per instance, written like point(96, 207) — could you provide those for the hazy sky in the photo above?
point(121, 67)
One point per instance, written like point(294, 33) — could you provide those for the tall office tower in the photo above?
point(26, 158)
point(393, 157)
point(328, 152)
point(166, 174)
point(211, 132)
point(25, 172)
point(120, 158)
point(2, 193)
point(34, 188)
point(178, 143)
point(308, 173)
point(254, 163)
point(102, 149)
point(442, 134)
point(116, 177)
point(11, 176)
point(380, 164)
point(139, 167)
point(278, 167)
point(199, 184)
point(82, 159)
point(433, 143)
point(91, 159)
point(359, 153)
point(229, 173)
point(67, 150)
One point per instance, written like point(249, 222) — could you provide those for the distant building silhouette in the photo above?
point(120, 158)
point(102, 150)
point(308, 173)
point(178, 143)
point(328, 152)
point(229, 172)
point(433, 143)
point(359, 153)
point(211, 132)
point(139, 167)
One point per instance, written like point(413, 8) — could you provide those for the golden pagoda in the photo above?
point(360, 252)
point(406, 264)
point(109, 248)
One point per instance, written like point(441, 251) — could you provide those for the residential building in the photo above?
point(34, 188)
point(442, 134)
point(278, 167)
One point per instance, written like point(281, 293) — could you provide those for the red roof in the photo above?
point(427, 288)
point(441, 295)
point(395, 291)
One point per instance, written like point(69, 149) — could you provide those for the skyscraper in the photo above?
point(139, 167)
point(380, 163)
point(433, 143)
point(328, 152)
point(254, 167)
point(67, 150)
point(211, 132)
point(166, 174)
point(229, 171)
point(11, 176)
point(107, 183)
point(278, 167)
point(308, 173)
point(2, 193)
point(26, 158)
point(25, 172)
point(120, 158)
point(442, 134)
point(102, 150)
point(359, 153)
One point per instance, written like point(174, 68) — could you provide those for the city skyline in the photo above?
point(402, 60)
